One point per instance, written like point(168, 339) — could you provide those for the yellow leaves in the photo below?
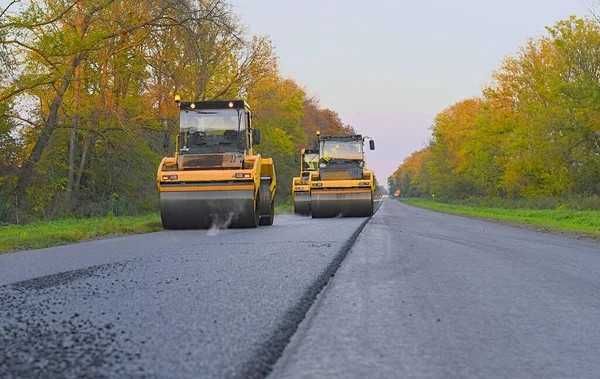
point(453, 127)
point(532, 132)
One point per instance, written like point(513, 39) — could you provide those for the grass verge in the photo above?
point(59, 232)
point(284, 207)
point(583, 222)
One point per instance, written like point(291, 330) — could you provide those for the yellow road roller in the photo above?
point(215, 178)
point(309, 162)
point(342, 186)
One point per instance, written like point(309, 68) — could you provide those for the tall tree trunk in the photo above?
point(73, 139)
point(79, 24)
point(26, 173)
point(90, 140)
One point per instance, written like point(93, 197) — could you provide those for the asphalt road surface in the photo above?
point(415, 294)
point(173, 304)
point(428, 295)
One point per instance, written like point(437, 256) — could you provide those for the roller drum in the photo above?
point(344, 204)
point(206, 209)
point(302, 203)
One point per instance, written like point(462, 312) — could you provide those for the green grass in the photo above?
point(583, 222)
point(59, 232)
point(284, 207)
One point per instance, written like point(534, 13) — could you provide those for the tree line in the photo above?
point(533, 133)
point(86, 99)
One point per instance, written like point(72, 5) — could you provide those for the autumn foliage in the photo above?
point(86, 99)
point(533, 133)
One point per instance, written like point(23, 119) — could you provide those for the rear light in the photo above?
point(317, 184)
point(364, 184)
point(242, 175)
point(169, 177)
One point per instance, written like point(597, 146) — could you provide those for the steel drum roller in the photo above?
point(204, 209)
point(330, 203)
point(302, 203)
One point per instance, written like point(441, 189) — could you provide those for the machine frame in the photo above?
point(217, 189)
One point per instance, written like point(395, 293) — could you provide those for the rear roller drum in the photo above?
point(302, 204)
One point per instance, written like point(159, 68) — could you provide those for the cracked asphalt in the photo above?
point(182, 304)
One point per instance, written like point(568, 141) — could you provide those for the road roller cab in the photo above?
point(309, 163)
point(342, 186)
point(216, 178)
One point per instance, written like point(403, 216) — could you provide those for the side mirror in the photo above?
point(371, 144)
point(256, 136)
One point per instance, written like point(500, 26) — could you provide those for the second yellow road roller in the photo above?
point(342, 186)
point(216, 178)
point(309, 162)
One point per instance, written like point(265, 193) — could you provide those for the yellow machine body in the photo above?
point(301, 184)
point(342, 186)
point(234, 188)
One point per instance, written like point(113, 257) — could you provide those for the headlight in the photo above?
point(242, 175)
point(364, 184)
point(169, 177)
point(317, 184)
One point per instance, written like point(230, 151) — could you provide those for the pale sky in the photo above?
point(388, 67)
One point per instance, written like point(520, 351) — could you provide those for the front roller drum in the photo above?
point(302, 203)
point(341, 204)
point(206, 209)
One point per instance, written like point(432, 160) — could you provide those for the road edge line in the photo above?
point(270, 352)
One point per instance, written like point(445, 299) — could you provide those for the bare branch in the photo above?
point(18, 118)
point(31, 48)
point(20, 90)
point(42, 23)
point(8, 7)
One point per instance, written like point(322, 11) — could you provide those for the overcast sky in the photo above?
point(388, 67)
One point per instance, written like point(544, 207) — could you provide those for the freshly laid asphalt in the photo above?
point(415, 294)
point(173, 304)
point(429, 295)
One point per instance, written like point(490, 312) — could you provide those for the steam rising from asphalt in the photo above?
point(218, 224)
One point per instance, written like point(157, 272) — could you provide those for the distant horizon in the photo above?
point(392, 98)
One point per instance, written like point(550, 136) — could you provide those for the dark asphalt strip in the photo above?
point(61, 279)
point(268, 353)
point(23, 336)
point(183, 304)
